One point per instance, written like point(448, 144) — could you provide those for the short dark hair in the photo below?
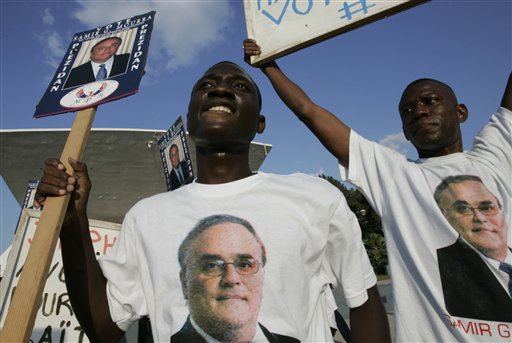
point(456, 179)
point(422, 80)
point(210, 221)
point(105, 39)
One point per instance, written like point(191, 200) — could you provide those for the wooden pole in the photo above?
point(26, 300)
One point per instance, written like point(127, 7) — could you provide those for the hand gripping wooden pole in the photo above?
point(27, 297)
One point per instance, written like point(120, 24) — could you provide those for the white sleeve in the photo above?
point(493, 145)
point(347, 256)
point(371, 167)
point(121, 269)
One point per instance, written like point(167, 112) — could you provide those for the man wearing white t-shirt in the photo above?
point(311, 243)
point(401, 192)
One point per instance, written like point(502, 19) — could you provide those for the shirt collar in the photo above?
point(258, 337)
point(108, 63)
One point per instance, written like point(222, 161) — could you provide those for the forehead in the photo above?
point(226, 68)
point(468, 191)
point(425, 87)
point(108, 42)
point(225, 239)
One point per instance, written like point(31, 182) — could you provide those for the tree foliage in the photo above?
point(371, 227)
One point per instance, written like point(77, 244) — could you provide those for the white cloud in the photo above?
point(53, 48)
point(48, 18)
point(183, 29)
point(397, 142)
point(51, 41)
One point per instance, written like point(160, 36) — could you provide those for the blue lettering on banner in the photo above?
point(275, 10)
point(346, 9)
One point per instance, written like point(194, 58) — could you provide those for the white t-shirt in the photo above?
point(401, 192)
point(311, 237)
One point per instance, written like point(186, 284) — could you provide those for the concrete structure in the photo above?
point(124, 164)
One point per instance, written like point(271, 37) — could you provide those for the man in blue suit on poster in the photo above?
point(178, 174)
point(478, 259)
point(104, 63)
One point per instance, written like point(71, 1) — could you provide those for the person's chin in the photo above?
point(234, 311)
point(483, 235)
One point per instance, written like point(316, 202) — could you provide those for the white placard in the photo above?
point(55, 321)
point(283, 26)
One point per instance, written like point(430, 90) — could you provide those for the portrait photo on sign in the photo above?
point(178, 166)
point(102, 58)
point(222, 270)
point(100, 65)
point(176, 160)
point(480, 258)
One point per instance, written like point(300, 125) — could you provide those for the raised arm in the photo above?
point(506, 101)
point(330, 130)
point(85, 282)
point(369, 322)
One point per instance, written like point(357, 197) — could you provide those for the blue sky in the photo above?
point(359, 75)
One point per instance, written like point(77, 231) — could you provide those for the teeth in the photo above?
point(220, 108)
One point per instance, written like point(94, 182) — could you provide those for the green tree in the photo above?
point(376, 249)
point(371, 227)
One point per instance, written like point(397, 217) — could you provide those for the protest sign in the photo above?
point(176, 156)
point(75, 87)
point(55, 320)
point(80, 81)
point(283, 26)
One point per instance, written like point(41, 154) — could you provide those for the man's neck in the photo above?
point(448, 150)
point(499, 255)
point(222, 167)
point(110, 60)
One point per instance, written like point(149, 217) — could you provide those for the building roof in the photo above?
point(124, 164)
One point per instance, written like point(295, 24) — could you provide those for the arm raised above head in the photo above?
point(329, 129)
point(85, 282)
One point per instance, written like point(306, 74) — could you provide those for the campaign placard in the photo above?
point(282, 27)
point(176, 156)
point(55, 319)
point(30, 194)
point(100, 65)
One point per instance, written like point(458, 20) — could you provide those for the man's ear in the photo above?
point(261, 124)
point(462, 113)
point(183, 279)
